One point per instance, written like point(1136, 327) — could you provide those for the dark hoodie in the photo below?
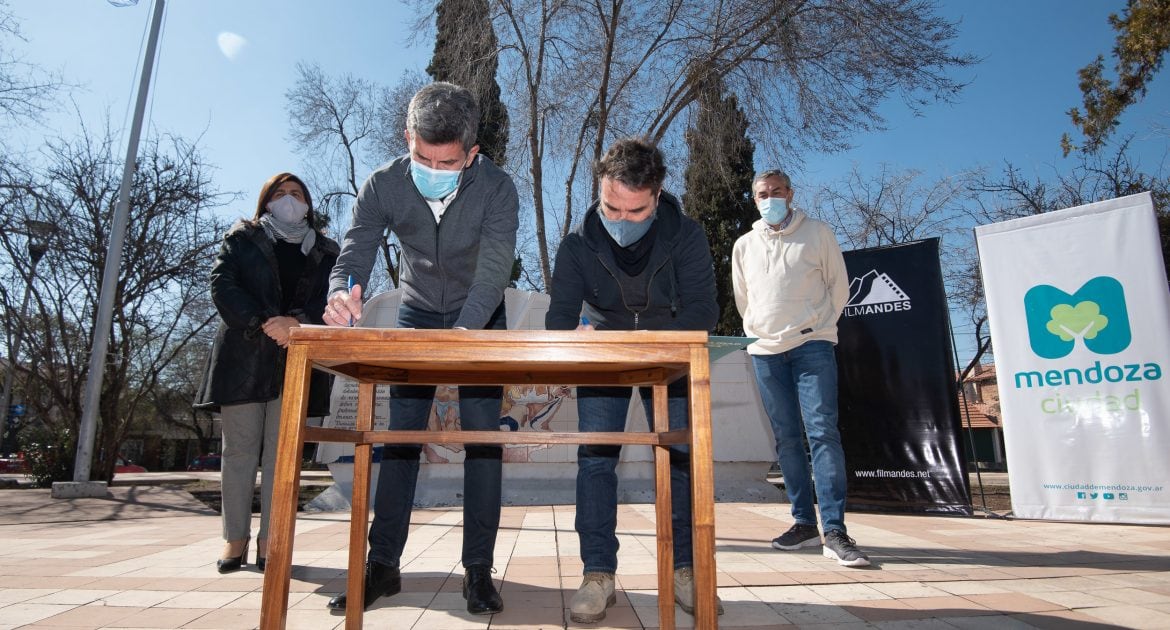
point(678, 283)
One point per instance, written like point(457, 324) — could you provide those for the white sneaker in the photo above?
point(684, 591)
point(595, 595)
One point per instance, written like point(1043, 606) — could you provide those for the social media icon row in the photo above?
point(1108, 496)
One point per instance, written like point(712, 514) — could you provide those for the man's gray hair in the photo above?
point(442, 113)
point(762, 175)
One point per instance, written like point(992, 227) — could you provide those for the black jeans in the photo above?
point(410, 406)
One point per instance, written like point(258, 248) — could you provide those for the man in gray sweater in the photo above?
point(455, 215)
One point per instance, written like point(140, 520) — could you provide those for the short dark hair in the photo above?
point(442, 113)
point(635, 162)
point(762, 175)
point(269, 189)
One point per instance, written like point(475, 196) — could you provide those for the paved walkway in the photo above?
point(145, 559)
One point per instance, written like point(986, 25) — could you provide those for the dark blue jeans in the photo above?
point(799, 390)
point(604, 409)
point(410, 406)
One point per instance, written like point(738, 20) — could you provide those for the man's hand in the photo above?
point(344, 307)
point(277, 328)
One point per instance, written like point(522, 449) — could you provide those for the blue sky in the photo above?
point(1014, 106)
point(1013, 110)
point(236, 103)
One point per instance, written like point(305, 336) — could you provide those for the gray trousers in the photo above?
point(250, 432)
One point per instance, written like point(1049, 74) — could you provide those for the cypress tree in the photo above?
point(466, 54)
point(719, 187)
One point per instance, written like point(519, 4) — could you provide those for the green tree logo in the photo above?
point(1095, 315)
point(1082, 321)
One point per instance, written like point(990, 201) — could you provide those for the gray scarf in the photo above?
point(298, 232)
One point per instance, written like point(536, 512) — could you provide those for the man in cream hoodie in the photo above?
point(790, 287)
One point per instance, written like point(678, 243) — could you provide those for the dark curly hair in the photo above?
point(635, 162)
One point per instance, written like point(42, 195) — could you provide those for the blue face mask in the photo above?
point(432, 183)
point(773, 210)
point(626, 233)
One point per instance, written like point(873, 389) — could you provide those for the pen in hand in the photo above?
point(349, 284)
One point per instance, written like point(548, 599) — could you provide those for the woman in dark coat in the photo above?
point(271, 275)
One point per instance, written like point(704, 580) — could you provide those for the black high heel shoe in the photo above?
point(228, 565)
point(260, 560)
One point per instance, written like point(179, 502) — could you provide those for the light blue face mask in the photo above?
point(626, 233)
point(773, 210)
point(432, 183)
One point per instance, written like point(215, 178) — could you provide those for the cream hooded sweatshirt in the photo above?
point(790, 285)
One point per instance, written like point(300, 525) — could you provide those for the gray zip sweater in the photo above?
point(462, 263)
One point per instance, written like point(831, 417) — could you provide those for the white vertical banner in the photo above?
point(1080, 319)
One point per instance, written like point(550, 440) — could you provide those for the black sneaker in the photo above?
point(840, 547)
point(797, 536)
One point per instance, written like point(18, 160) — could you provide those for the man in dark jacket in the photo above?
point(636, 262)
point(455, 215)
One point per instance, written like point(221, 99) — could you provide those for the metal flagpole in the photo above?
point(101, 332)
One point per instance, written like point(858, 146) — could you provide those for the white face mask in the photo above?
point(288, 209)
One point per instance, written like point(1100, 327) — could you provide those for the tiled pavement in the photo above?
point(145, 559)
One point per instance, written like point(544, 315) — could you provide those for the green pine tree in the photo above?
point(719, 188)
point(466, 54)
point(1143, 37)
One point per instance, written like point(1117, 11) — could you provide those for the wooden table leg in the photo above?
point(286, 484)
point(359, 513)
point(702, 491)
point(662, 515)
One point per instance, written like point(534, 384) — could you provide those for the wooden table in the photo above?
point(483, 357)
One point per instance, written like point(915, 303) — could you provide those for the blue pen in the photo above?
point(350, 283)
point(584, 321)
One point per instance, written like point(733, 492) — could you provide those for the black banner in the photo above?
point(900, 424)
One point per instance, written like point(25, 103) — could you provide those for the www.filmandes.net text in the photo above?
point(880, 472)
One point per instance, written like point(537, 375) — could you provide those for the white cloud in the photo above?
point(230, 44)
